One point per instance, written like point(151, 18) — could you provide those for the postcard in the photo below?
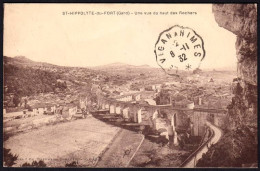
point(130, 85)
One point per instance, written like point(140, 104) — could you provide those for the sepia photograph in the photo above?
point(127, 85)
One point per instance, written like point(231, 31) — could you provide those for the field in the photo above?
point(57, 145)
point(121, 151)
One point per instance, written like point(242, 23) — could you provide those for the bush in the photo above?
point(9, 158)
point(28, 107)
point(18, 117)
point(35, 164)
point(25, 81)
point(72, 164)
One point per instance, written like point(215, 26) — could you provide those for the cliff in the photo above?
point(239, 143)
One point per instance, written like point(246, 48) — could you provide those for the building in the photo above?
point(184, 104)
point(69, 111)
point(137, 97)
point(156, 87)
point(126, 98)
point(150, 101)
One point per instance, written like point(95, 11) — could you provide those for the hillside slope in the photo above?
point(25, 77)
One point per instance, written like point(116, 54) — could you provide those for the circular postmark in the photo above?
point(179, 48)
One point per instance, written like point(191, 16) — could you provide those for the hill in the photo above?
point(120, 66)
point(26, 77)
point(23, 61)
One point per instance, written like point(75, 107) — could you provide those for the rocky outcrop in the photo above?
point(241, 19)
point(239, 144)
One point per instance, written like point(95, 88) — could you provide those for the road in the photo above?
point(192, 160)
point(80, 140)
point(217, 133)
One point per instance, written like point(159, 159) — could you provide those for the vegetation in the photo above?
point(237, 147)
point(16, 99)
point(239, 143)
point(197, 71)
point(35, 164)
point(24, 81)
point(72, 164)
point(163, 98)
point(9, 158)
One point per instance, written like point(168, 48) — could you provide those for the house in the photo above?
point(69, 111)
point(141, 89)
point(150, 101)
point(82, 104)
point(126, 113)
point(126, 98)
point(184, 104)
point(137, 97)
point(148, 88)
point(200, 101)
point(156, 86)
point(190, 105)
point(43, 108)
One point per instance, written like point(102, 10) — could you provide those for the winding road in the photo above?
point(191, 161)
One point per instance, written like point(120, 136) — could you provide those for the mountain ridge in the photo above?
point(120, 65)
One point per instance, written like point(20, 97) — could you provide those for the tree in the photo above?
point(72, 164)
point(35, 164)
point(197, 71)
point(16, 100)
point(163, 98)
point(9, 158)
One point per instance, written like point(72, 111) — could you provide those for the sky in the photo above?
point(42, 33)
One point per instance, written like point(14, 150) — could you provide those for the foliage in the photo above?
point(72, 164)
point(16, 99)
point(9, 158)
point(197, 71)
point(163, 98)
point(61, 85)
point(239, 144)
point(234, 149)
point(24, 81)
point(35, 164)
point(28, 107)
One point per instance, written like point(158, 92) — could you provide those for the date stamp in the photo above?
point(179, 48)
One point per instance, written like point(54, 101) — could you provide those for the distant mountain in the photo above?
point(22, 60)
point(231, 68)
point(145, 66)
point(112, 65)
point(119, 66)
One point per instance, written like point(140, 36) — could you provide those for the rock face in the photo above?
point(241, 19)
point(238, 146)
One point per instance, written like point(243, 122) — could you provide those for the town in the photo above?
point(170, 112)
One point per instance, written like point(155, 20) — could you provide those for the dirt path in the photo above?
point(122, 150)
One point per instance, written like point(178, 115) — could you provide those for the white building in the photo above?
point(156, 86)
